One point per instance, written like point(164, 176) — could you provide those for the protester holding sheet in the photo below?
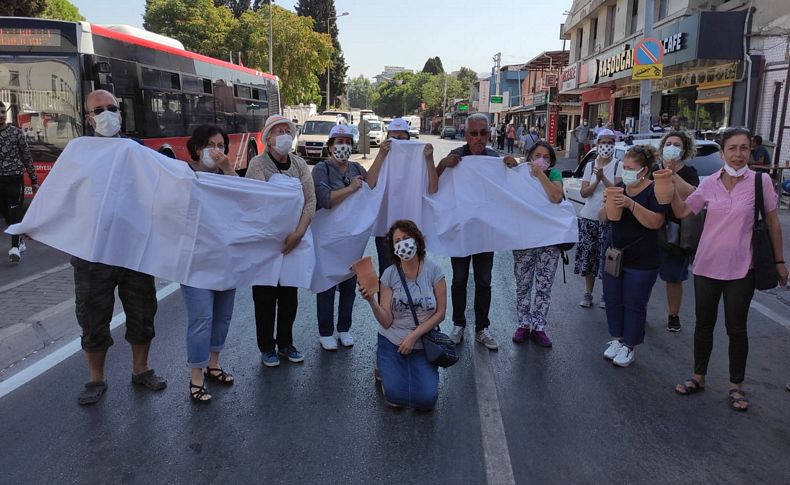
point(280, 300)
point(335, 180)
point(476, 135)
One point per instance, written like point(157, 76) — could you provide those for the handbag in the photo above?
point(439, 349)
point(763, 262)
point(613, 259)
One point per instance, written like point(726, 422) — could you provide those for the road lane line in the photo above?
point(495, 449)
point(771, 314)
point(26, 375)
point(28, 279)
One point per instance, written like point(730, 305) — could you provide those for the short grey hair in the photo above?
point(475, 117)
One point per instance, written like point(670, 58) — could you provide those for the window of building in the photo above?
point(634, 16)
point(609, 34)
point(662, 9)
point(580, 39)
point(593, 36)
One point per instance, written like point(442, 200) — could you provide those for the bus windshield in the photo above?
point(318, 127)
point(42, 97)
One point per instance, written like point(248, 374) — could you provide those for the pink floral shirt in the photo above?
point(725, 248)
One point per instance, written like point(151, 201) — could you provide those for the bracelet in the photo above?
point(780, 262)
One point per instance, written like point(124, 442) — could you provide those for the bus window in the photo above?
point(163, 115)
point(198, 110)
point(128, 124)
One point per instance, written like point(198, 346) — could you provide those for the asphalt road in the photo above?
point(560, 415)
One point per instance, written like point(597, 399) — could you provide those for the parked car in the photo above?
point(448, 132)
point(414, 132)
point(311, 143)
point(355, 131)
point(707, 161)
point(376, 132)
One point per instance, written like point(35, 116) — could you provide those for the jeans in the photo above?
point(383, 252)
point(737, 298)
point(208, 320)
point(407, 380)
point(510, 145)
point(281, 301)
point(12, 197)
point(626, 303)
point(325, 305)
point(482, 263)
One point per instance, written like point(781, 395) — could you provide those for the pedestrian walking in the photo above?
point(537, 266)
point(407, 378)
point(723, 263)
point(95, 284)
point(511, 137)
point(581, 135)
point(530, 138)
point(280, 303)
point(335, 180)
point(398, 129)
point(676, 148)
point(635, 234)
point(209, 312)
point(482, 263)
point(501, 136)
point(15, 160)
point(599, 174)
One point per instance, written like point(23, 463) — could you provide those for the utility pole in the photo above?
point(497, 66)
point(444, 100)
point(271, 56)
point(645, 86)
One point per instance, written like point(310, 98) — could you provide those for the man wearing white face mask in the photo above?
point(335, 180)
point(95, 284)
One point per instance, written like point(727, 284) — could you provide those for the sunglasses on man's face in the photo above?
point(101, 109)
point(479, 133)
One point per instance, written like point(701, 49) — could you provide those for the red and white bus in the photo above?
point(47, 67)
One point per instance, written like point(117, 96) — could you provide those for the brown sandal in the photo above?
point(691, 386)
point(738, 397)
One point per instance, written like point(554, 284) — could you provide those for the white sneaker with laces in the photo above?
point(457, 334)
point(22, 246)
point(612, 350)
point(13, 255)
point(345, 339)
point(484, 337)
point(624, 357)
point(328, 343)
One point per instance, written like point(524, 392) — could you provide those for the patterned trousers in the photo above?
point(537, 265)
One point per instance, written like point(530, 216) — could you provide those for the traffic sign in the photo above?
point(647, 71)
point(648, 51)
point(496, 99)
point(463, 107)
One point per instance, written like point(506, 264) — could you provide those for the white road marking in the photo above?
point(26, 375)
point(28, 279)
point(781, 320)
point(495, 449)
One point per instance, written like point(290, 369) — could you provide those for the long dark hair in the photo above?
point(411, 230)
point(200, 137)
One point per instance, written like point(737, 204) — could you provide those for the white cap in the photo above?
point(398, 124)
point(340, 131)
point(606, 133)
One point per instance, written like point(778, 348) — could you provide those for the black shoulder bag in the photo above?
point(763, 262)
point(439, 349)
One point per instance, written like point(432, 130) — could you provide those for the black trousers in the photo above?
point(12, 198)
point(482, 264)
point(270, 302)
point(737, 298)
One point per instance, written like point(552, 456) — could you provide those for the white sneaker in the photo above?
point(484, 337)
point(346, 339)
point(14, 256)
point(457, 334)
point(328, 343)
point(624, 357)
point(613, 349)
point(22, 246)
point(602, 304)
point(586, 301)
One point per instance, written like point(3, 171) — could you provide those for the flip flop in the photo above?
point(92, 393)
point(691, 386)
point(734, 401)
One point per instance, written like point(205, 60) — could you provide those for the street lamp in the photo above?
point(271, 55)
point(329, 31)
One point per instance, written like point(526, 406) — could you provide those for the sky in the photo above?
point(406, 33)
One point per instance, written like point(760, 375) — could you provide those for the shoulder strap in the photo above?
point(759, 204)
point(408, 294)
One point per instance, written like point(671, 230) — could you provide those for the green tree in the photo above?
point(324, 15)
point(467, 77)
point(198, 24)
point(61, 10)
point(433, 66)
point(360, 93)
point(22, 8)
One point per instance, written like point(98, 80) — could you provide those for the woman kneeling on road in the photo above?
point(208, 311)
point(636, 235)
point(407, 378)
point(723, 263)
point(537, 264)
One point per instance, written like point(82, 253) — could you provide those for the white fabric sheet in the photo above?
point(483, 206)
point(403, 180)
point(114, 201)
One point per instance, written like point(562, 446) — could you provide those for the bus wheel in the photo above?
point(168, 152)
point(252, 152)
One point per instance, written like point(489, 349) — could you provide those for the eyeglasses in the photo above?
point(479, 133)
point(101, 109)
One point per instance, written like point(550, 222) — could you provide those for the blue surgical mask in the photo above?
point(671, 152)
point(631, 177)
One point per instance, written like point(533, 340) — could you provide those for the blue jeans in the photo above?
point(325, 305)
point(626, 303)
point(407, 380)
point(208, 319)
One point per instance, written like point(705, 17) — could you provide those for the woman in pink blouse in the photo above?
point(722, 265)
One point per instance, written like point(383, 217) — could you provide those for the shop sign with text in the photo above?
point(610, 66)
point(570, 78)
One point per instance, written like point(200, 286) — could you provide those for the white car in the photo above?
point(414, 132)
point(706, 161)
point(376, 133)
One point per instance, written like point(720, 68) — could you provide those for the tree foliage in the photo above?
point(360, 93)
point(62, 10)
point(325, 17)
point(467, 77)
point(300, 54)
point(433, 66)
point(22, 8)
point(404, 94)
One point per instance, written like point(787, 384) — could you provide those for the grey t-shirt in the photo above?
point(422, 295)
point(463, 151)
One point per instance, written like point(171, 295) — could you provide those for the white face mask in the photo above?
point(671, 152)
point(406, 249)
point(107, 123)
point(205, 157)
point(735, 173)
point(283, 143)
point(630, 177)
point(606, 150)
point(342, 152)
